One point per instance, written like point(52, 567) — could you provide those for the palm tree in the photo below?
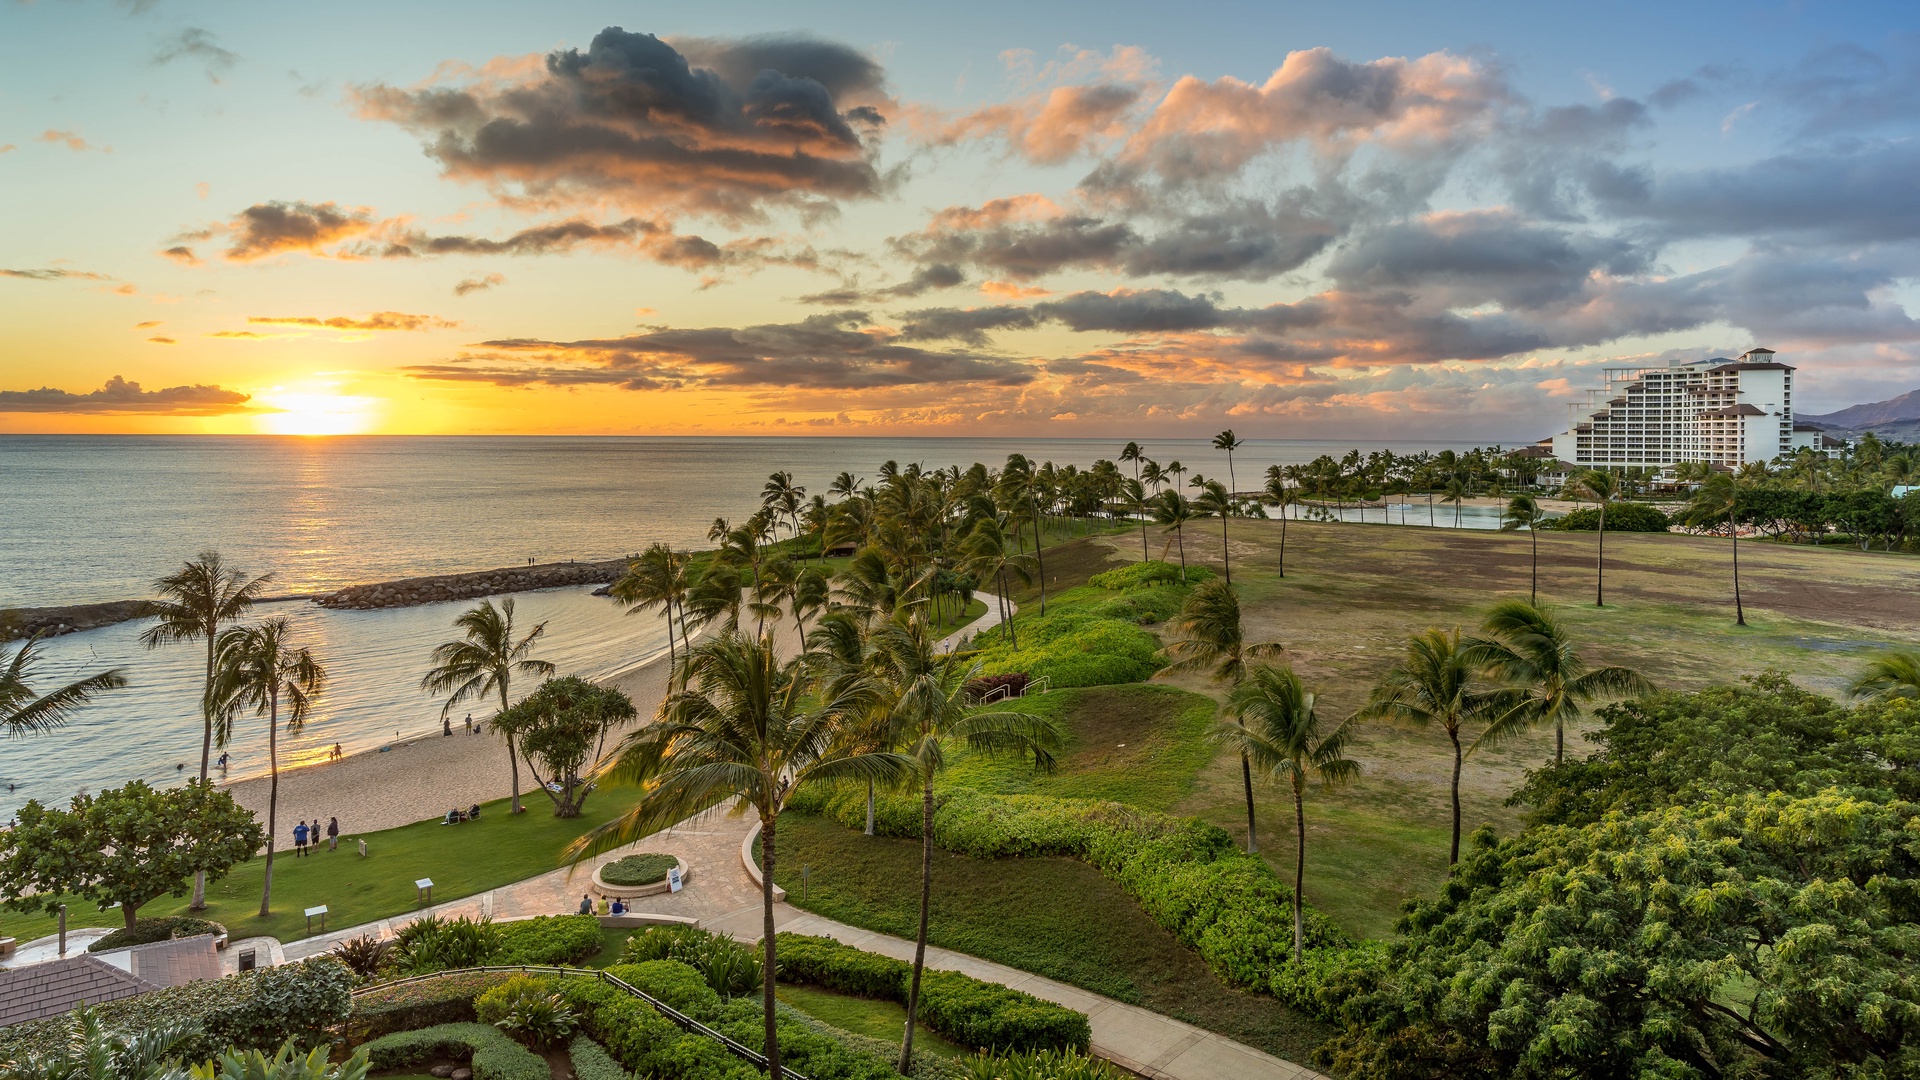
point(485, 662)
point(991, 558)
point(1275, 725)
point(930, 709)
point(1602, 487)
point(748, 728)
point(1212, 639)
point(1226, 441)
point(195, 602)
point(1891, 674)
point(1133, 496)
point(1546, 681)
point(1214, 499)
point(92, 1051)
point(1282, 495)
point(1717, 498)
point(255, 669)
point(1173, 511)
point(1456, 494)
point(23, 713)
point(657, 579)
point(1434, 686)
point(1131, 452)
point(1523, 512)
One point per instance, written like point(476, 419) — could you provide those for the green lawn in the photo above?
point(613, 943)
point(884, 1020)
point(975, 608)
point(462, 860)
point(1055, 917)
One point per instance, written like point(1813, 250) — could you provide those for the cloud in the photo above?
point(924, 280)
point(157, 340)
point(824, 352)
point(121, 396)
point(730, 128)
point(7, 148)
point(479, 284)
point(70, 139)
point(1007, 290)
point(1049, 128)
point(52, 274)
point(379, 320)
point(147, 325)
point(264, 230)
point(194, 43)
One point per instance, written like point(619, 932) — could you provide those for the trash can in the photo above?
point(246, 959)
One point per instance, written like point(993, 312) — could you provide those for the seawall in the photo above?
point(408, 592)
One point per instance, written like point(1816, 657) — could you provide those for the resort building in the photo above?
point(1723, 412)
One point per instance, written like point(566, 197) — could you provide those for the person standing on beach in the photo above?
point(469, 723)
point(300, 839)
point(446, 727)
point(333, 834)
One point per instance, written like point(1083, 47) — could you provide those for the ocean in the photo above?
point(96, 518)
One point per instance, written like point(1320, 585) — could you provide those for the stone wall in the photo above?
point(429, 590)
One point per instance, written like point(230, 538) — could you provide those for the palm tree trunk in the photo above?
point(273, 796)
point(1299, 865)
point(1039, 559)
point(1143, 538)
point(926, 899)
point(869, 830)
point(1283, 539)
point(1533, 590)
point(1454, 855)
point(1739, 610)
point(1559, 739)
point(1600, 565)
point(1246, 781)
point(1181, 532)
point(1226, 560)
point(767, 999)
point(199, 901)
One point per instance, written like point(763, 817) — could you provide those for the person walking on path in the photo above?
point(333, 834)
point(300, 839)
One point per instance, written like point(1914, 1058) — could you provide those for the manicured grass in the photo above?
point(1137, 744)
point(885, 1020)
point(975, 608)
point(462, 860)
point(1055, 917)
point(613, 942)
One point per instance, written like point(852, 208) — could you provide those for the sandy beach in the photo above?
point(413, 781)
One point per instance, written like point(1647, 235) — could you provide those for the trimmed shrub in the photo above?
point(527, 1009)
point(445, 1000)
point(729, 967)
point(431, 943)
point(255, 1010)
point(592, 1062)
point(1621, 517)
point(967, 1010)
point(647, 868)
point(148, 931)
point(546, 939)
point(1043, 1065)
point(1148, 572)
point(492, 1054)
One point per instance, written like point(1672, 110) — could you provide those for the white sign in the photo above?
point(673, 880)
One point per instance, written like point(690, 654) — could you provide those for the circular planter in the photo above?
point(628, 892)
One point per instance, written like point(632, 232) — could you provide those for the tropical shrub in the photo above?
point(431, 943)
point(148, 1054)
point(1041, 1065)
point(527, 1009)
point(1621, 517)
point(547, 939)
point(285, 1064)
point(1146, 573)
point(592, 1062)
point(729, 968)
point(445, 1000)
point(364, 955)
point(148, 931)
point(254, 1010)
point(492, 1055)
point(648, 868)
point(1076, 648)
point(967, 1010)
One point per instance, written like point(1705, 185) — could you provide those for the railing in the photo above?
point(1004, 691)
point(682, 1020)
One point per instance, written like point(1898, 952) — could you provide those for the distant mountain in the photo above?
point(1894, 417)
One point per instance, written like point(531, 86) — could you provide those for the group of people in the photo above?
point(618, 907)
point(446, 726)
point(456, 815)
point(308, 836)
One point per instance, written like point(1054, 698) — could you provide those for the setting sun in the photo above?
point(317, 413)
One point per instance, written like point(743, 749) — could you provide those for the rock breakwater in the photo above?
point(408, 592)
point(68, 619)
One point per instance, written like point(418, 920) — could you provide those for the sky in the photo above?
point(1365, 220)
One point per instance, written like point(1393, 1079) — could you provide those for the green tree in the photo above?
point(22, 712)
point(95, 1053)
point(927, 694)
point(1894, 673)
point(1276, 724)
point(657, 579)
point(1524, 513)
point(256, 669)
point(1172, 511)
point(1546, 681)
point(562, 729)
point(1456, 493)
point(195, 602)
point(1602, 487)
point(1210, 637)
point(1434, 686)
point(1717, 500)
point(1214, 499)
point(484, 663)
point(1281, 494)
point(748, 728)
point(1226, 441)
point(990, 557)
point(128, 846)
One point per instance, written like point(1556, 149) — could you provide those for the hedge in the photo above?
point(148, 931)
point(970, 1011)
point(1621, 517)
point(592, 1062)
point(493, 1054)
point(548, 939)
point(648, 868)
point(445, 1000)
point(1147, 572)
point(255, 1010)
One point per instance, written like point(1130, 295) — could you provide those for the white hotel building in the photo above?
point(1724, 412)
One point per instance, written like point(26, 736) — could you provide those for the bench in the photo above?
point(321, 911)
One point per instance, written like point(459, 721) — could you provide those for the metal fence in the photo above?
point(686, 1023)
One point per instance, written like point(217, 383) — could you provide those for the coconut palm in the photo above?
point(657, 579)
point(1891, 674)
point(1281, 494)
point(931, 710)
point(1434, 686)
point(24, 713)
point(1173, 511)
point(1276, 725)
point(1602, 487)
point(1209, 637)
point(257, 668)
point(1020, 488)
point(484, 663)
point(1717, 499)
point(1215, 499)
point(1523, 512)
point(991, 557)
point(1226, 441)
point(1133, 496)
point(1457, 494)
point(1131, 452)
point(749, 729)
point(1546, 681)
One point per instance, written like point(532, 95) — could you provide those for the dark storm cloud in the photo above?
point(121, 396)
point(769, 121)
